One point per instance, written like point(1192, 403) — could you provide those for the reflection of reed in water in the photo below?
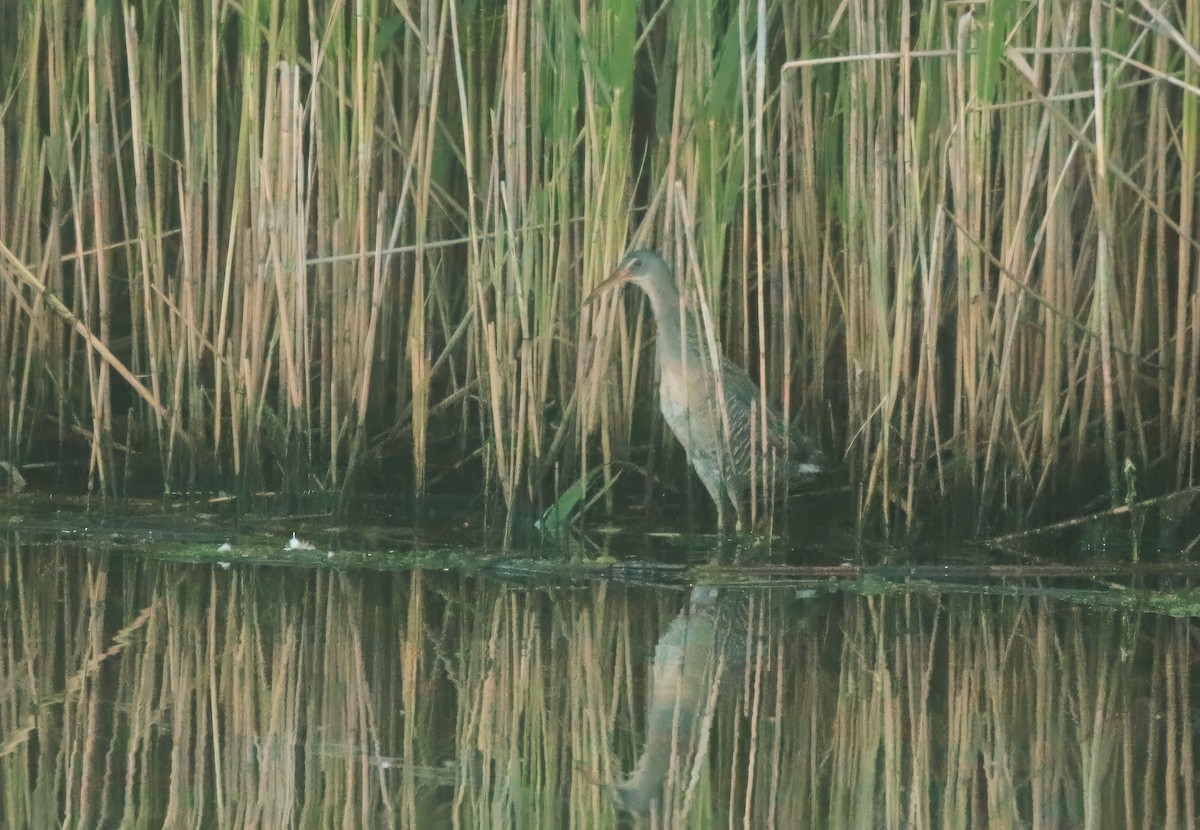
point(689, 664)
point(163, 695)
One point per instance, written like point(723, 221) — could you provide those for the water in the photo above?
point(146, 693)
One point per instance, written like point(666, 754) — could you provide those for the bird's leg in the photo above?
point(739, 525)
point(717, 493)
point(724, 501)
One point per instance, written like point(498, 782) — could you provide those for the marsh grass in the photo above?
point(304, 245)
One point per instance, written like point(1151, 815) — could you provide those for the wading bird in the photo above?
point(713, 408)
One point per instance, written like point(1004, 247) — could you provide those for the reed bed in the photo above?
point(315, 245)
point(317, 699)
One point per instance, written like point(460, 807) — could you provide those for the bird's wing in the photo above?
point(741, 393)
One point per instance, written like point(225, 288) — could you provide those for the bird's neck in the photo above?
point(678, 325)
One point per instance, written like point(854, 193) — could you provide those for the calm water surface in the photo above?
point(138, 693)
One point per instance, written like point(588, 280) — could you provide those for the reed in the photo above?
point(299, 244)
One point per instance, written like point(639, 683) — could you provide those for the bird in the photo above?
point(710, 404)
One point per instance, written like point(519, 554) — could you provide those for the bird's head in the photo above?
point(645, 269)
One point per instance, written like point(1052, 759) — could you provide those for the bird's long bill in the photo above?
point(615, 279)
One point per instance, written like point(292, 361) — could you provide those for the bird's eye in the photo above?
point(634, 262)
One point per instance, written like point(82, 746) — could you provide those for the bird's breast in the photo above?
point(687, 407)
